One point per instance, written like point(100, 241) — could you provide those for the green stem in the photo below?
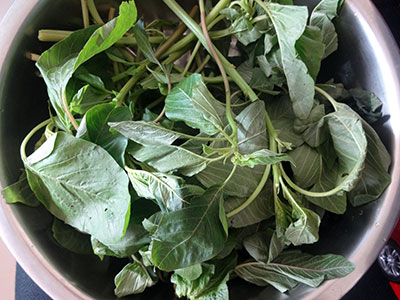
point(196, 30)
point(221, 67)
point(211, 18)
point(28, 137)
point(203, 64)
point(50, 35)
point(254, 195)
point(312, 194)
point(191, 58)
point(228, 178)
point(85, 13)
point(327, 96)
point(93, 11)
point(216, 79)
point(141, 70)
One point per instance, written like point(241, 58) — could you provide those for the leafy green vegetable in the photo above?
point(20, 192)
point(191, 102)
point(134, 278)
point(289, 23)
point(68, 238)
point(295, 267)
point(73, 187)
point(190, 166)
point(191, 235)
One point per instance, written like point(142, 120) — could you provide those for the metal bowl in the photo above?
point(368, 57)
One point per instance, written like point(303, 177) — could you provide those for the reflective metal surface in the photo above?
point(368, 58)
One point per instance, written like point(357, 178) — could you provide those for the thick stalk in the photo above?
point(176, 35)
point(93, 11)
point(50, 35)
point(85, 13)
point(196, 30)
point(212, 16)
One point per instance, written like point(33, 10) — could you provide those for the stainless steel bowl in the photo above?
point(368, 58)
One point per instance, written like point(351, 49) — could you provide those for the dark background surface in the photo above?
point(373, 286)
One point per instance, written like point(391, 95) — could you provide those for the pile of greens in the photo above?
point(203, 150)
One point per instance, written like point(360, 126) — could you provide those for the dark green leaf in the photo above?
point(322, 17)
point(190, 101)
point(170, 158)
point(189, 236)
point(260, 209)
point(375, 176)
point(296, 267)
point(135, 238)
point(307, 165)
point(305, 225)
point(58, 64)
point(311, 49)
point(20, 192)
point(289, 23)
point(264, 246)
point(328, 179)
point(69, 238)
point(86, 98)
point(98, 130)
point(146, 133)
point(167, 190)
point(349, 142)
point(65, 175)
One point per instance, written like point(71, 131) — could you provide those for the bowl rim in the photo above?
point(55, 285)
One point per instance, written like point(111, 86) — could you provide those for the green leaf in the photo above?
point(349, 142)
point(264, 246)
point(293, 267)
point(86, 98)
point(189, 236)
point(134, 239)
point(109, 34)
point(70, 239)
point(98, 130)
point(20, 192)
point(243, 182)
point(58, 64)
point(282, 116)
point(261, 157)
point(167, 190)
point(211, 284)
point(260, 209)
point(146, 133)
point(305, 225)
point(314, 129)
point(375, 176)
point(307, 165)
point(190, 273)
point(322, 17)
point(252, 130)
point(190, 101)
point(134, 278)
point(289, 23)
point(311, 49)
point(170, 158)
point(328, 178)
point(144, 44)
point(65, 175)
point(256, 273)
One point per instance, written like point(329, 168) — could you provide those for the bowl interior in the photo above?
point(23, 104)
